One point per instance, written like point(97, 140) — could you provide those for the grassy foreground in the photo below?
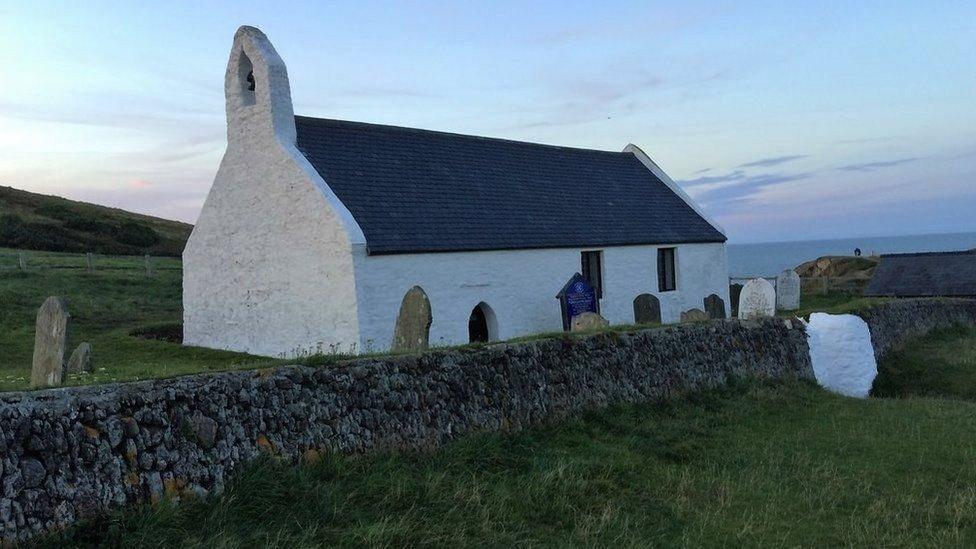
point(755, 465)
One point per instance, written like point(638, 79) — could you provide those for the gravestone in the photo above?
point(588, 321)
point(50, 343)
point(757, 300)
point(89, 262)
point(788, 291)
point(81, 359)
point(577, 297)
point(149, 267)
point(694, 315)
point(715, 307)
point(734, 291)
point(22, 260)
point(647, 309)
point(412, 331)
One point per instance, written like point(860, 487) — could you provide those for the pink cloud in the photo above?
point(139, 184)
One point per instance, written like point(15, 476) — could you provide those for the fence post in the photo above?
point(89, 263)
point(149, 268)
point(23, 262)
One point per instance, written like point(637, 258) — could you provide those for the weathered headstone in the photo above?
point(647, 309)
point(577, 297)
point(89, 262)
point(412, 331)
point(588, 320)
point(714, 306)
point(694, 315)
point(758, 299)
point(149, 267)
point(81, 359)
point(22, 260)
point(788, 291)
point(50, 343)
point(734, 291)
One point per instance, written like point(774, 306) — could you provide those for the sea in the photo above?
point(770, 258)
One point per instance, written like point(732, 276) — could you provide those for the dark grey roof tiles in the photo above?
point(425, 191)
point(946, 274)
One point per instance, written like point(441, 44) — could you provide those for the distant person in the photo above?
point(857, 252)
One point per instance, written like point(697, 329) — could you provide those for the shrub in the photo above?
point(136, 234)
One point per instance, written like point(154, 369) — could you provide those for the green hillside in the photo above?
point(41, 222)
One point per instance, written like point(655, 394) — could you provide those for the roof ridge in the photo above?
point(463, 135)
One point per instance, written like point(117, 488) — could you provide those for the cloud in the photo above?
point(736, 185)
point(736, 175)
point(773, 161)
point(871, 166)
point(139, 184)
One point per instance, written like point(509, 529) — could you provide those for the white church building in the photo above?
point(315, 229)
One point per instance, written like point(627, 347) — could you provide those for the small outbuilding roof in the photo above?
point(416, 190)
point(946, 274)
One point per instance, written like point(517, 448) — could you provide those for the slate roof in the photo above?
point(424, 191)
point(946, 274)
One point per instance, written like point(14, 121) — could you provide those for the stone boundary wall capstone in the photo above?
point(74, 452)
point(895, 323)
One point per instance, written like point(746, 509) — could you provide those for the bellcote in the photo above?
point(257, 90)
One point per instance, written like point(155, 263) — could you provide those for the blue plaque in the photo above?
point(577, 297)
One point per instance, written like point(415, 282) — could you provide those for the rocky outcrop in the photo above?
point(843, 273)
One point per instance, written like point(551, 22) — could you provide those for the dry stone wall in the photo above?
point(895, 323)
point(73, 452)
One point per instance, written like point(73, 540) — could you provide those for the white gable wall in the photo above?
point(268, 268)
point(520, 287)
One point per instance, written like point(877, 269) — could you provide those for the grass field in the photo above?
point(105, 306)
point(943, 365)
point(754, 465)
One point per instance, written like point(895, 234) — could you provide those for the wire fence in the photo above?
point(32, 261)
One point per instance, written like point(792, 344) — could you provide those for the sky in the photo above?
point(785, 120)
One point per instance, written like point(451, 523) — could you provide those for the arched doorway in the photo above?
point(482, 326)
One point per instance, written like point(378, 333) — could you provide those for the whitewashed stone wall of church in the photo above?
point(520, 287)
point(268, 268)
